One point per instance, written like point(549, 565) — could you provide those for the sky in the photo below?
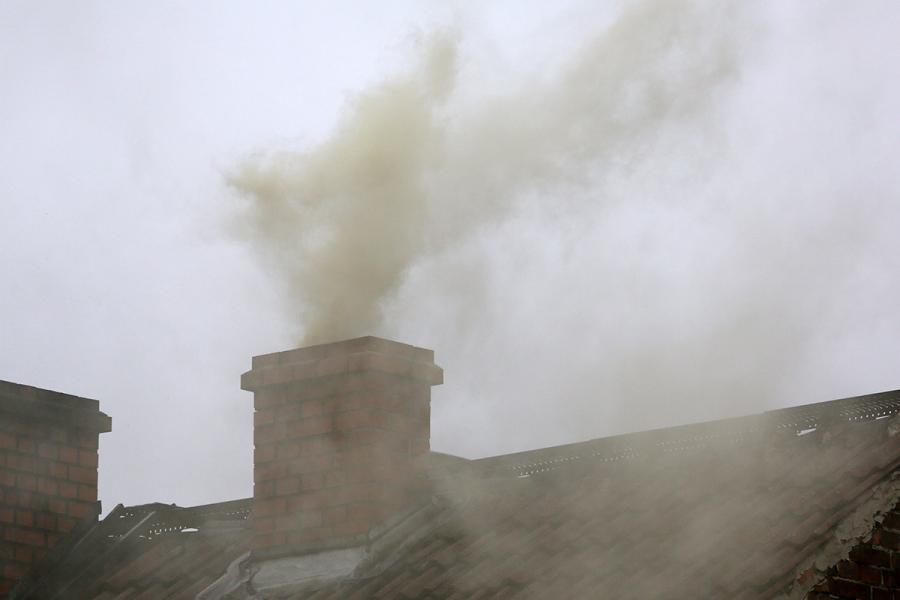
point(609, 219)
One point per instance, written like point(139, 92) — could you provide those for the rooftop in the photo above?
point(754, 507)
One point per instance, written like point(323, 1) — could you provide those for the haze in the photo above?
point(601, 220)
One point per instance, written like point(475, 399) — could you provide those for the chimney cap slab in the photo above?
point(29, 402)
point(349, 356)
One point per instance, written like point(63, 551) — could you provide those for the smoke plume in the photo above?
point(407, 172)
point(667, 227)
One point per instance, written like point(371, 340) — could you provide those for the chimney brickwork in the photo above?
point(48, 472)
point(340, 431)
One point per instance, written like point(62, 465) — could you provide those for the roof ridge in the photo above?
point(793, 421)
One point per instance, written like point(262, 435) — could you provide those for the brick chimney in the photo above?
point(48, 472)
point(340, 431)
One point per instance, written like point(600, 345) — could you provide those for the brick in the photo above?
point(275, 375)
point(87, 440)
point(419, 447)
point(268, 398)
point(268, 540)
point(850, 589)
point(42, 466)
point(289, 412)
point(888, 539)
point(26, 445)
point(263, 417)
point(335, 478)
point(263, 524)
point(311, 426)
point(26, 482)
point(87, 458)
point(57, 505)
point(363, 437)
point(350, 401)
point(7, 440)
point(15, 570)
point(87, 493)
point(59, 435)
point(868, 555)
point(264, 434)
point(357, 492)
point(299, 520)
point(47, 486)
point(25, 518)
point(355, 419)
point(45, 521)
point(68, 490)
point(47, 450)
point(333, 365)
point(288, 449)
point(892, 521)
point(264, 489)
point(315, 500)
point(335, 514)
point(312, 535)
point(312, 481)
point(20, 462)
point(83, 475)
point(312, 464)
point(881, 594)
point(58, 470)
point(369, 455)
point(270, 507)
point(263, 453)
point(869, 575)
point(79, 510)
point(21, 498)
point(269, 471)
point(351, 528)
point(6, 515)
point(24, 553)
point(68, 455)
point(364, 512)
point(29, 537)
point(316, 445)
point(65, 524)
point(287, 485)
point(313, 408)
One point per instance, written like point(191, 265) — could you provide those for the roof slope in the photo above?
point(152, 552)
point(739, 508)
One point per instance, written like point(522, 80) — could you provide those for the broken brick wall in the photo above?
point(871, 571)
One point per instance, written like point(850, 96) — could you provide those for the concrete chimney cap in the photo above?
point(367, 353)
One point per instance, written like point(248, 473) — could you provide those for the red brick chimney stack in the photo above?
point(338, 431)
point(48, 472)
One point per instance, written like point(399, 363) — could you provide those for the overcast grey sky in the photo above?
point(712, 233)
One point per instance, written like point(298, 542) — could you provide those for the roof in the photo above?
point(753, 507)
point(151, 551)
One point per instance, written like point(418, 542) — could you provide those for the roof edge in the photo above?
point(788, 422)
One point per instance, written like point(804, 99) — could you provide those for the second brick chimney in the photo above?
point(48, 472)
point(340, 434)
